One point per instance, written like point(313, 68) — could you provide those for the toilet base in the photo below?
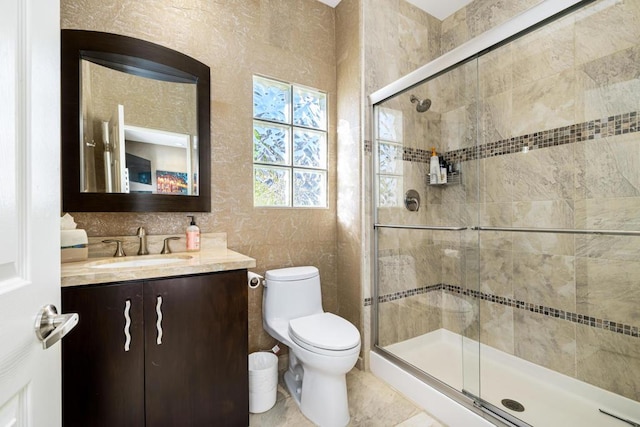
point(293, 385)
point(322, 398)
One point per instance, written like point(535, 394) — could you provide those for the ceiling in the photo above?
point(438, 8)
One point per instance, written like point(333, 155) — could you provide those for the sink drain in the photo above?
point(513, 405)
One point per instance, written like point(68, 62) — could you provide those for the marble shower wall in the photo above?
point(398, 38)
point(478, 17)
point(557, 126)
point(291, 40)
point(582, 79)
point(422, 260)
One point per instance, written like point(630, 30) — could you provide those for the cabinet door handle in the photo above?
point(159, 321)
point(127, 325)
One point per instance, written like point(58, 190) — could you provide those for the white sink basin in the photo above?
point(139, 261)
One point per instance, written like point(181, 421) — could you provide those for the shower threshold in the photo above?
point(548, 397)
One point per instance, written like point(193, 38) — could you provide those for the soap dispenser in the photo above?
point(193, 236)
point(434, 167)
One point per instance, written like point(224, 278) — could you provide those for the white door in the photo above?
point(30, 392)
point(119, 160)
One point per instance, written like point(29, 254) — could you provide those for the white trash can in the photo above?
point(263, 381)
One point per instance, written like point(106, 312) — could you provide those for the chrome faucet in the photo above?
point(167, 249)
point(119, 251)
point(142, 235)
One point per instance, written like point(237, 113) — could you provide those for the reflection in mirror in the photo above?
point(139, 134)
point(135, 126)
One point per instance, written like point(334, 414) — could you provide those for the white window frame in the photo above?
point(290, 166)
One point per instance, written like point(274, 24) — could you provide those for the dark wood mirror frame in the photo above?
point(138, 54)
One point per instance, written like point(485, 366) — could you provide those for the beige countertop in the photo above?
point(213, 256)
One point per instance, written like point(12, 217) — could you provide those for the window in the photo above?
point(289, 145)
point(390, 148)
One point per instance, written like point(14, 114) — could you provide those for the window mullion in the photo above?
point(291, 195)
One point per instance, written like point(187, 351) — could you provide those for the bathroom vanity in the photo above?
point(164, 345)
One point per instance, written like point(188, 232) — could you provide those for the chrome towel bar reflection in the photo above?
point(514, 229)
point(419, 227)
point(560, 231)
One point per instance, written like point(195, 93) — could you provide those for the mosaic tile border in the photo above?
point(582, 319)
point(593, 129)
point(402, 294)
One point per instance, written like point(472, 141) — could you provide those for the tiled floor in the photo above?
point(371, 403)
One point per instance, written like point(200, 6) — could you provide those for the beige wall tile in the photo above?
point(546, 280)
point(483, 15)
point(496, 179)
point(607, 289)
point(609, 361)
point(590, 28)
point(544, 214)
point(544, 52)
point(459, 314)
point(608, 168)
point(544, 104)
point(495, 72)
point(406, 318)
point(607, 85)
point(496, 272)
point(616, 213)
point(555, 349)
point(496, 115)
point(496, 324)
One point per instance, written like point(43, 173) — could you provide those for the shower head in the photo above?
point(422, 104)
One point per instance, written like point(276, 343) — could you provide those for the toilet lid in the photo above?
point(324, 330)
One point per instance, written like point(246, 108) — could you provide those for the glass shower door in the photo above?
point(515, 282)
point(559, 203)
point(426, 255)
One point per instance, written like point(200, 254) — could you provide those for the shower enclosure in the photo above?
point(514, 286)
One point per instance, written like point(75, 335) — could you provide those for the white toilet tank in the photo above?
point(291, 293)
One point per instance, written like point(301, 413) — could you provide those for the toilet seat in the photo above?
point(324, 333)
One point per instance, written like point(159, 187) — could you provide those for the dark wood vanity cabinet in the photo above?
point(186, 360)
point(101, 381)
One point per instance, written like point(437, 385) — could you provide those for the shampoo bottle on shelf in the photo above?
point(434, 167)
point(443, 171)
point(193, 236)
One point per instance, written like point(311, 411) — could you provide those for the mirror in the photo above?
point(135, 126)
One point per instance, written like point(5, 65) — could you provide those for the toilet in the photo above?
point(323, 347)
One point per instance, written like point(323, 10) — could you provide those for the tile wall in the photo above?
point(398, 38)
point(559, 144)
point(351, 250)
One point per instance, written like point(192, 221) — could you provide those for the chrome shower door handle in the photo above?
point(50, 326)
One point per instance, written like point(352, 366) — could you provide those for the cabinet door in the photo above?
point(196, 354)
point(103, 357)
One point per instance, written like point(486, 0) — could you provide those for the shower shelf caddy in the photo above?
point(453, 178)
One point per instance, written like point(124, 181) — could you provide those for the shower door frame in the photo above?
point(535, 17)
